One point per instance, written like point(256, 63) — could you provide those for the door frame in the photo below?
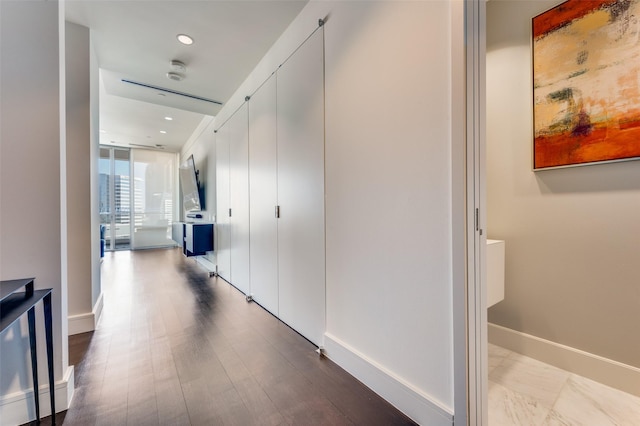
point(475, 215)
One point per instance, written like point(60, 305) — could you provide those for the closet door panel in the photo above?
point(239, 198)
point(263, 195)
point(301, 253)
point(222, 232)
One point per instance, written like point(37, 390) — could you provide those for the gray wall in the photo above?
point(31, 244)
point(78, 169)
point(572, 235)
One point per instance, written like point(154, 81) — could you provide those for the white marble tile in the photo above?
point(529, 377)
point(497, 354)
point(509, 408)
point(556, 419)
point(585, 402)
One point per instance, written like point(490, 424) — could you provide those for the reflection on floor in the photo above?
point(524, 391)
point(177, 347)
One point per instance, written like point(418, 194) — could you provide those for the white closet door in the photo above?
point(300, 95)
point(263, 193)
point(222, 234)
point(239, 198)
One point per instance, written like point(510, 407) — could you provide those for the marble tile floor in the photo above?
point(524, 391)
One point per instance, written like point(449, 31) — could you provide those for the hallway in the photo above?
point(177, 347)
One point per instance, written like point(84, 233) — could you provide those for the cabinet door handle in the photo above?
point(229, 212)
point(277, 212)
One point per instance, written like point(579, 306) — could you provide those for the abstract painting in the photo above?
point(586, 83)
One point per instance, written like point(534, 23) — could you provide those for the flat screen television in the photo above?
point(191, 191)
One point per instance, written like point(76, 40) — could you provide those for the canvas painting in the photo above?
point(586, 83)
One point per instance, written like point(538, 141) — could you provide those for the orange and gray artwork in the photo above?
point(586, 83)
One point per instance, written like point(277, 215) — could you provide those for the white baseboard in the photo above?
point(18, 408)
point(81, 323)
point(84, 323)
point(206, 263)
point(404, 396)
point(97, 309)
point(606, 371)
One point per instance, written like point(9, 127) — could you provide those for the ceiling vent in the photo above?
point(156, 146)
point(163, 90)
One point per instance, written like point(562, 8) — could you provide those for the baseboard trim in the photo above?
point(97, 310)
point(84, 323)
point(606, 371)
point(81, 323)
point(403, 395)
point(18, 408)
point(206, 264)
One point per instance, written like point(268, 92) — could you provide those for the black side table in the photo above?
point(13, 304)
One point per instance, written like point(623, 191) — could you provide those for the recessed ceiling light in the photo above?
point(163, 132)
point(184, 39)
point(168, 118)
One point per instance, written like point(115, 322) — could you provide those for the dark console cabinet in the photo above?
point(197, 238)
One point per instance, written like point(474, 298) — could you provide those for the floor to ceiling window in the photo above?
point(115, 197)
point(138, 193)
point(154, 197)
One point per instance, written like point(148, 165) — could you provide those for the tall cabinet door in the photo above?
point(263, 193)
point(301, 269)
point(222, 232)
point(239, 198)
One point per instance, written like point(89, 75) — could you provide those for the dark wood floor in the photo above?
point(177, 347)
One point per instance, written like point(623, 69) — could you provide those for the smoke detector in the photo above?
point(177, 66)
point(175, 76)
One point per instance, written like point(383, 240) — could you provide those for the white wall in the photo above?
point(94, 154)
point(31, 243)
point(203, 148)
point(572, 235)
point(388, 193)
point(78, 157)
point(388, 190)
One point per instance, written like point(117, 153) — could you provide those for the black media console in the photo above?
point(196, 238)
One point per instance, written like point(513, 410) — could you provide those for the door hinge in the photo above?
point(277, 212)
point(229, 212)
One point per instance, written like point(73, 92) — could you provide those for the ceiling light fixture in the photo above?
point(164, 132)
point(168, 118)
point(184, 39)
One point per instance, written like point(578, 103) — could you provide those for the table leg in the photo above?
point(49, 335)
point(31, 315)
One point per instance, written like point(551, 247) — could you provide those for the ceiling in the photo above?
point(136, 41)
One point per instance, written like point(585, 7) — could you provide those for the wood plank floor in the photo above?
point(176, 347)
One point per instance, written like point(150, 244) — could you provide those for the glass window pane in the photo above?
point(154, 179)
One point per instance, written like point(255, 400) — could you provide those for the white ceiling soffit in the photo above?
point(118, 84)
point(129, 122)
point(136, 41)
